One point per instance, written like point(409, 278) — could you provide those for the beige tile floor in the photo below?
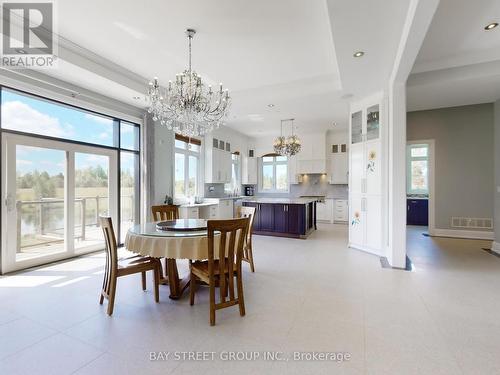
point(313, 295)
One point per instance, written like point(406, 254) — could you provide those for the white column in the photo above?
point(496, 150)
point(396, 242)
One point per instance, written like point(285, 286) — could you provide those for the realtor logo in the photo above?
point(28, 35)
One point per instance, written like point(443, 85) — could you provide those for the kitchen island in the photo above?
point(283, 217)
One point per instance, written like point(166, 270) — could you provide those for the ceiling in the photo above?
point(459, 62)
point(294, 54)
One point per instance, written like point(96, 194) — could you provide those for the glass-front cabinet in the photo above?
point(357, 127)
point(372, 122)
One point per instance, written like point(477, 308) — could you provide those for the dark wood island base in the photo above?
point(293, 218)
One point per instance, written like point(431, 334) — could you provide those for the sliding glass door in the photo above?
point(54, 192)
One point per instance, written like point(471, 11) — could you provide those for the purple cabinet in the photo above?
point(266, 217)
point(280, 219)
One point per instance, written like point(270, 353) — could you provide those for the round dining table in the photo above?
point(178, 239)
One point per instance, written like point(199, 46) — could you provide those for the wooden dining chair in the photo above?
point(165, 212)
point(243, 211)
point(222, 267)
point(116, 268)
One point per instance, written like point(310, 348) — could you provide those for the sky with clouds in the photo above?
point(30, 115)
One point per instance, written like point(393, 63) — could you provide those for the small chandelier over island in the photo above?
point(287, 146)
point(188, 106)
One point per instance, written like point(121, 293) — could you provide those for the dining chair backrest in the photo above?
point(248, 212)
point(111, 247)
point(230, 236)
point(165, 212)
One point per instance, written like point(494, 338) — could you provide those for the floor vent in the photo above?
point(470, 222)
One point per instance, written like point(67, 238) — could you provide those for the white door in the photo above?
point(54, 193)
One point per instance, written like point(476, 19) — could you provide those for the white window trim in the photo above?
point(274, 163)
point(409, 159)
point(187, 153)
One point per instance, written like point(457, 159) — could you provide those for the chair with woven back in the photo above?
point(249, 212)
point(116, 268)
point(223, 265)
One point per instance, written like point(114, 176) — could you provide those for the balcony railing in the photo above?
point(44, 218)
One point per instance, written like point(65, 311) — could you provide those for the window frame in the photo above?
point(409, 160)
point(187, 152)
point(274, 163)
point(116, 146)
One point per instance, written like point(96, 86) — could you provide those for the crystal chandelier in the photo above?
point(280, 143)
point(293, 145)
point(287, 146)
point(187, 106)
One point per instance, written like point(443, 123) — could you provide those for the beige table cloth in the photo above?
point(147, 240)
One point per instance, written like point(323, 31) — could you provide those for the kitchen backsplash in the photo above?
point(318, 185)
point(311, 185)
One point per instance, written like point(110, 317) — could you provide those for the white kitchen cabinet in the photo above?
point(293, 172)
point(324, 211)
point(189, 213)
point(341, 211)
point(210, 212)
point(249, 171)
point(338, 170)
point(226, 209)
point(366, 165)
point(217, 166)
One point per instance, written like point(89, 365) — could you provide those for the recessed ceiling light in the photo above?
point(270, 105)
point(491, 26)
point(358, 54)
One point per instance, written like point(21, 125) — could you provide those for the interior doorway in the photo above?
point(420, 180)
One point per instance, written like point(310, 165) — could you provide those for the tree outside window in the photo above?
point(274, 173)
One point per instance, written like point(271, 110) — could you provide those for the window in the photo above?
point(417, 169)
point(274, 173)
point(29, 114)
point(72, 165)
point(187, 156)
point(235, 174)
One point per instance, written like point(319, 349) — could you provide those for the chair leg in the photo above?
point(241, 301)
point(156, 282)
point(250, 258)
point(112, 293)
point(101, 299)
point(212, 301)
point(192, 285)
point(143, 275)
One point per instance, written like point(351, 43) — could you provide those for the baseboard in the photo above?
point(470, 234)
point(495, 247)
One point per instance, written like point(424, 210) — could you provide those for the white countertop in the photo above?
point(280, 200)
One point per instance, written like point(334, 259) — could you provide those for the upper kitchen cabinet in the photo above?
point(357, 127)
point(249, 170)
point(372, 122)
point(312, 157)
point(294, 176)
point(217, 161)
